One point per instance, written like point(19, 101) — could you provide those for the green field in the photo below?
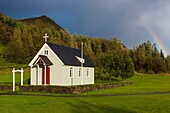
point(142, 83)
point(116, 104)
point(7, 78)
point(88, 103)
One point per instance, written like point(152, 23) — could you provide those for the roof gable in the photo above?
point(39, 53)
point(68, 55)
point(44, 60)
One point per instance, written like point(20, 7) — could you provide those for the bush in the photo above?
point(118, 63)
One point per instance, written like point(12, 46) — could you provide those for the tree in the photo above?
point(147, 59)
point(118, 63)
point(159, 65)
point(140, 58)
point(168, 63)
point(162, 54)
point(148, 53)
point(28, 47)
point(14, 51)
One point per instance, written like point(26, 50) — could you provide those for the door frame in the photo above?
point(47, 75)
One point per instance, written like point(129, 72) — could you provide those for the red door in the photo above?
point(47, 75)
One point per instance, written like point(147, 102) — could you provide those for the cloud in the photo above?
point(125, 19)
point(157, 19)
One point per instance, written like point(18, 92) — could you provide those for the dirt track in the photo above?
point(92, 95)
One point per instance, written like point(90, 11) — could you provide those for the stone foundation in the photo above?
point(6, 88)
point(70, 89)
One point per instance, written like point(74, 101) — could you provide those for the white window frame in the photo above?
point(71, 71)
point(79, 73)
point(88, 73)
point(46, 52)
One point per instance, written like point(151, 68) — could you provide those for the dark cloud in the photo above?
point(125, 19)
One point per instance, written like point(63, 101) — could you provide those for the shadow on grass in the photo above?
point(87, 107)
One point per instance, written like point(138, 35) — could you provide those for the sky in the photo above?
point(131, 21)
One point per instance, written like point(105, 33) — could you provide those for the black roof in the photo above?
point(45, 60)
point(68, 55)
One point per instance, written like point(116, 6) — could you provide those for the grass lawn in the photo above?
point(142, 83)
point(152, 103)
point(119, 104)
point(7, 78)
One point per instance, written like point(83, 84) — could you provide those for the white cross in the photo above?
point(46, 36)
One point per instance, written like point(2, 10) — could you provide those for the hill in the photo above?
point(21, 40)
point(42, 21)
point(12, 30)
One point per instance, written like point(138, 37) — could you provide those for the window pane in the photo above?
point(71, 72)
point(45, 52)
point(79, 72)
point(87, 72)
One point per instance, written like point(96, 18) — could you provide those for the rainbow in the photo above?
point(156, 40)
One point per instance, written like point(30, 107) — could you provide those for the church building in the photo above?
point(60, 65)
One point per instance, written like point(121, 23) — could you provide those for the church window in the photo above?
point(79, 73)
point(87, 72)
point(71, 72)
point(46, 52)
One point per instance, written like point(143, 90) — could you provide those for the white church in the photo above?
point(60, 65)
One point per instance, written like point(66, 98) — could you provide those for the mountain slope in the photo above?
point(42, 21)
point(26, 35)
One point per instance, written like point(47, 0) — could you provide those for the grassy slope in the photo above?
point(141, 83)
point(118, 104)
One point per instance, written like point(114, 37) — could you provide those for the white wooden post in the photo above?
point(38, 73)
point(81, 63)
point(45, 74)
point(22, 76)
point(13, 73)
